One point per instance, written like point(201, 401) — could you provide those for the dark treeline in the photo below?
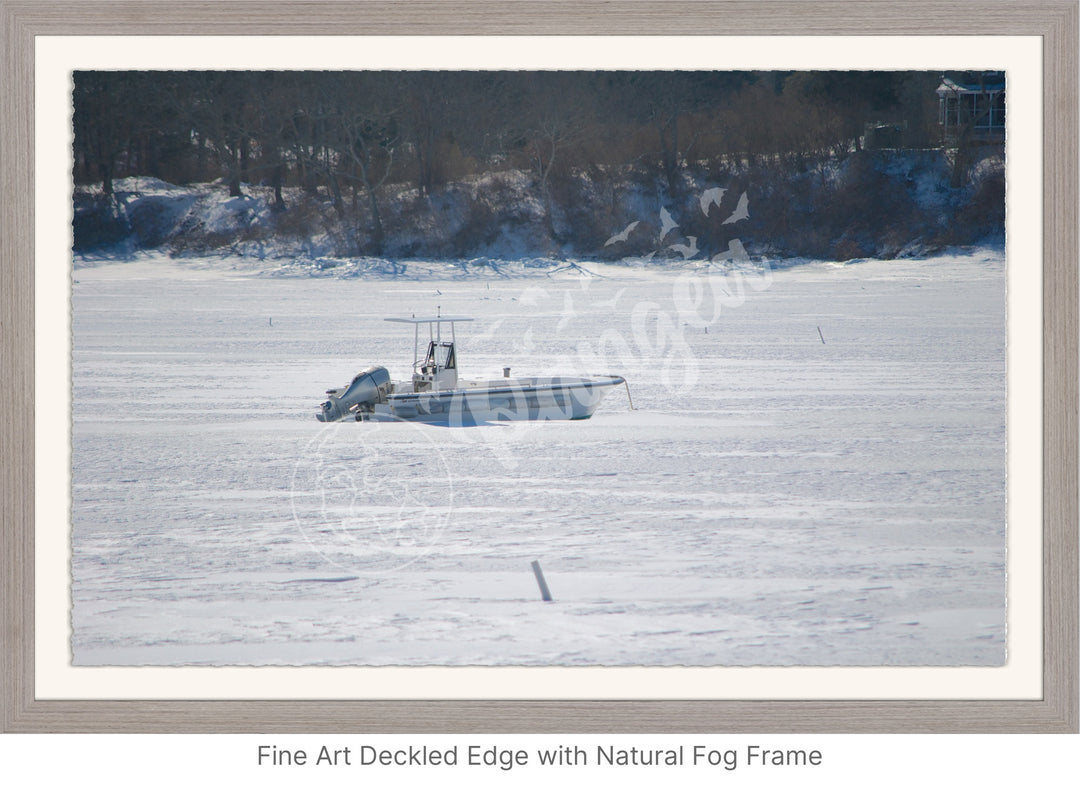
point(349, 132)
point(352, 142)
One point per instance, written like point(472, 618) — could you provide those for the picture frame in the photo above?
point(1055, 21)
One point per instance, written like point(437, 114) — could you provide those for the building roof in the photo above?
point(990, 82)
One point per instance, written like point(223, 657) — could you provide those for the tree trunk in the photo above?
point(200, 157)
point(427, 163)
point(422, 174)
point(306, 170)
point(963, 154)
point(669, 150)
point(278, 176)
point(376, 222)
point(245, 160)
point(335, 193)
point(106, 177)
point(549, 219)
point(234, 170)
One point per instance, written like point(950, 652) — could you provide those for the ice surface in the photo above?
point(780, 496)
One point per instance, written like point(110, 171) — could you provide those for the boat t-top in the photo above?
point(436, 394)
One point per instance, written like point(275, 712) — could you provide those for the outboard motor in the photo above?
point(369, 388)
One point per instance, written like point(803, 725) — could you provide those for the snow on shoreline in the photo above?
point(499, 217)
point(147, 264)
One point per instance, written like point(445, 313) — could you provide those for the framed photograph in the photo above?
point(767, 342)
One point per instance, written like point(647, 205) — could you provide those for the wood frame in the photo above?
point(1056, 21)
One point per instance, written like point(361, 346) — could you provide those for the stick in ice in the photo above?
point(544, 593)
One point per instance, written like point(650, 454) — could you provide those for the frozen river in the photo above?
point(814, 473)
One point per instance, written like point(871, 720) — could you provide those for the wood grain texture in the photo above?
point(523, 17)
point(16, 372)
point(1055, 21)
point(1061, 335)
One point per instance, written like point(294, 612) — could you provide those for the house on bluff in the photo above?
point(971, 106)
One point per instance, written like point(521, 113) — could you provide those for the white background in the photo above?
point(847, 760)
point(880, 761)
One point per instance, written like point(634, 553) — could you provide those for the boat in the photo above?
point(436, 394)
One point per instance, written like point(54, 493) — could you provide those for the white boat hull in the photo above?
point(533, 399)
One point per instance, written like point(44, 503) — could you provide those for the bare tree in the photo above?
point(364, 137)
point(557, 108)
point(103, 123)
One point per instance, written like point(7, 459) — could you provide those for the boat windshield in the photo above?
point(441, 355)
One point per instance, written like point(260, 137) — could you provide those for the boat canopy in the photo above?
point(439, 319)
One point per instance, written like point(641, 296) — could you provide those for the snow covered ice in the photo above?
point(814, 473)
